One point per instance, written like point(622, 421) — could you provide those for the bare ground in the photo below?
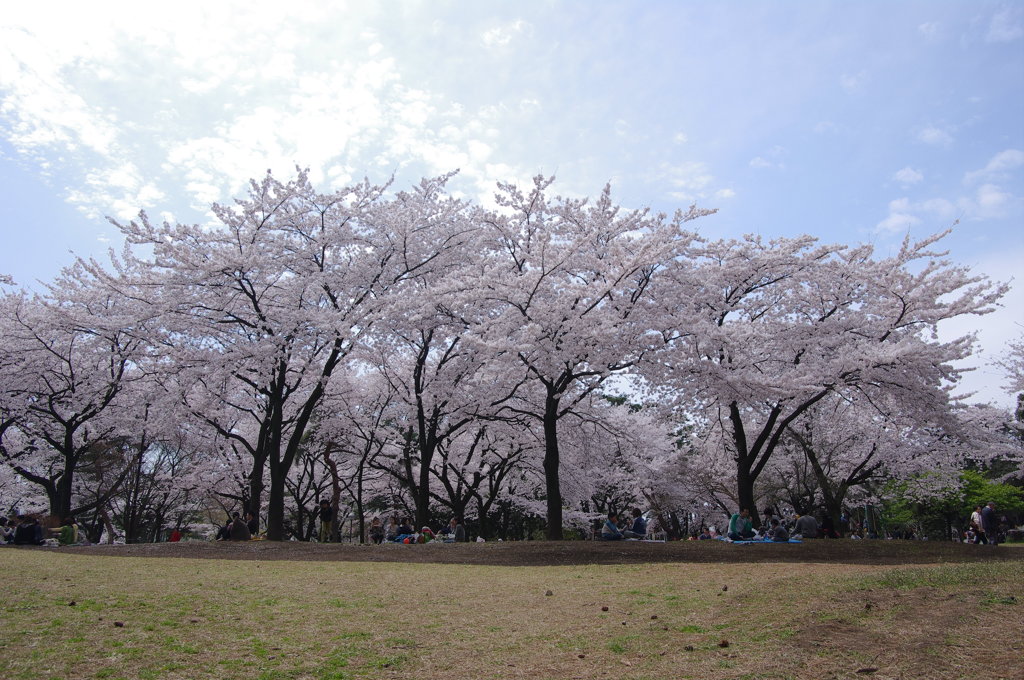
point(556, 553)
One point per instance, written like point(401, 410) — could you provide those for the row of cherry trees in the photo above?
point(551, 355)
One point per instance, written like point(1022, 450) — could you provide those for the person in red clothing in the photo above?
point(175, 536)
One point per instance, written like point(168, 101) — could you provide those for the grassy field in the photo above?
point(75, 615)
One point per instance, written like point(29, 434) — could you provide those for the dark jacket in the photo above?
point(28, 534)
point(239, 531)
point(988, 521)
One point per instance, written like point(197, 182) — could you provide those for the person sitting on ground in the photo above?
point(69, 533)
point(740, 526)
point(426, 535)
point(806, 526)
point(778, 532)
point(239, 529)
point(6, 531)
point(449, 531)
point(704, 535)
point(639, 527)
point(224, 532)
point(376, 531)
point(610, 529)
point(459, 532)
point(29, 532)
point(404, 531)
point(175, 535)
point(391, 532)
point(252, 522)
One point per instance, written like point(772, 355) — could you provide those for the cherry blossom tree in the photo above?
point(565, 283)
point(258, 313)
point(69, 392)
point(768, 330)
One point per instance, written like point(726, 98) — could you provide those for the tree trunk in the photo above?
point(275, 504)
point(551, 463)
point(256, 486)
point(745, 491)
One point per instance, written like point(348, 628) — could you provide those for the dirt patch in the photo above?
point(918, 633)
point(554, 553)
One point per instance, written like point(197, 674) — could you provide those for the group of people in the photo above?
point(402, 531)
point(984, 526)
point(28, 530)
point(614, 530)
point(239, 529)
point(773, 528)
point(24, 530)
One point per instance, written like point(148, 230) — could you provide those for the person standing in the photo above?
point(978, 526)
point(990, 523)
point(326, 520)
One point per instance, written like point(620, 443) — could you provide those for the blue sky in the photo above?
point(855, 122)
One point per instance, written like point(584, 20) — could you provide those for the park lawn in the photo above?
point(80, 616)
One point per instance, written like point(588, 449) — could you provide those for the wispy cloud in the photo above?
point(929, 29)
point(998, 167)
point(854, 84)
point(1005, 26)
point(908, 175)
point(502, 36)
point(934, 136)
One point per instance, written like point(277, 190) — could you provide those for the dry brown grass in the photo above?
point(210, 618)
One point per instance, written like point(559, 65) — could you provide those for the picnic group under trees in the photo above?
point(525, 366)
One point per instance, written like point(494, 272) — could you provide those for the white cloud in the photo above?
point(854, 84)
point(1005, 26)
point(908, 175)
point(216, 108)
point(929, 29)
point(687, 181)
point(529, 105)
point(773, 161)
point(989, 201)
point(680, 138)
point(723, 194)
point(935, 136)
point(501, 36)
point(897, 222)
point(1000, 164)
point(905, 214)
